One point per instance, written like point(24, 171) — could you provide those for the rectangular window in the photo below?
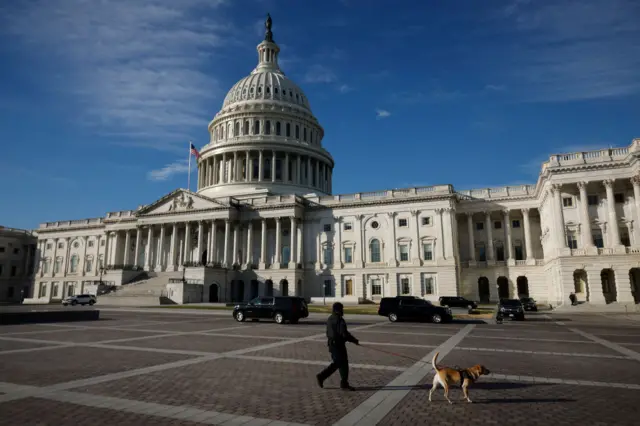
point(619, 198)
point(500, 253)
point(60, 245)
point(597, 240)
point(405, 286)
point(515, 223)
point(89, 265)
point(571, 241)
point(48, 246)
point(288, 129)
point(348, 226)
point(348, 255)
point(45, 267)
point(14, 270)
point(16, 251)
point(328, 288)
point(497, 224)
point(58, 266)
point(592, 200)
point(90, 244)
point(1, 249)
point(482, 254)
point(519, 255)
point(404, 252)
point(479, 226)
point(427, 251)
point(54, 289)
point(376, 287)
point(625, 240)
point(102, 243)
point(327, 228)
point(425, 221)
point(1, 269)
point(348, 287)
point(402, 223)
point(427, 285)
point(327, 255)
point(43, 290)
point(567, 202)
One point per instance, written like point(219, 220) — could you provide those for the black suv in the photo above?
point(280, 309)
point(412, 308)
point(457, 302)
point(511, 308)
point(529, 304)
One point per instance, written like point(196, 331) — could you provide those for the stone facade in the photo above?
point(263, 221)
point(17, 263)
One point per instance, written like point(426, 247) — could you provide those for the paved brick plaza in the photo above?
point(175, 368)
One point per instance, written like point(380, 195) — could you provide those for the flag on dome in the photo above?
point(194, 151)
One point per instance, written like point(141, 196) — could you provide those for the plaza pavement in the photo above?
point(168, 367)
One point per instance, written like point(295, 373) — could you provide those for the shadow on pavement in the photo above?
point(522, 400)
point(427, 386)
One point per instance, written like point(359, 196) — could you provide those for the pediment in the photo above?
point(179, 200)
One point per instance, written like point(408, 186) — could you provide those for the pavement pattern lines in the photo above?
point(363, 414)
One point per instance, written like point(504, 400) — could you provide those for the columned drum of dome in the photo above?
point(265, 139)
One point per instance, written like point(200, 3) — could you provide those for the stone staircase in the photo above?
point(586, 308)
point(149, 291)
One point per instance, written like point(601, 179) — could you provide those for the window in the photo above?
point(376, 287)
point(482, 253)
point(275, 90)
point(402, 223)
point(404, 252)
point(268, 90)
point(102, 243)
point(297, 132)
point(500, 253)
point(14, 270)
point(571, 240)
point(89, 265)
point(267, 127)
point(427, 285)
point(267, 169)
point(246, 127)
point(515, 223)
point(592, 200)
point(479, 226)
point(43, 290)
point(405, 286)
point(375, 225)
point(597, 240)
point(619, 198)
point(327, 255)
point(90, 243)
point(567, 202)
point(17, 250)
point(518, 251)
point(348, 255)
point(497, 224)
point(288, 130)
point(277, 128)
point(304, 134)
point(348, 287)
point(328, 287)
point(58, 265)
point(625, 240)
point(1, 268)
point(286, 254)
point(327, 227)
point(348, 226)
point(48, 246)
point(45, 267)
point(425, 221)
point(427, 251)
point(374, 249)
point(54, 289)
point(236, 129)
point(60, 245)
point(259, 89)
point(74, 263)
point(256, 127)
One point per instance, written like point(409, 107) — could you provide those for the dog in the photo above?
point(446, 377)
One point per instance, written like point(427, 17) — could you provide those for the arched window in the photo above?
point(229, 129)
point(256, 127)
point(277, 128)
point(374, 250)
point(297, 98)
point(221, 132)
point(297, 132)
point(259, 90)
point(276, 89)
point(246, 127)
point(288, 130)
point(236, 130)
point(267, 168)
point(267, 127)
point(74, 263)
point(304, 133)
point(88, 264)
point(268, 90)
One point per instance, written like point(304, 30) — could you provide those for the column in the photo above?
point(225, 255)
point(472, 243)
point(273, 166)
point(278, 249)
point(249, 256)
point(300, 253)
point(614, 231)
point(214, 177)
point(106, 250)
point(308, 178)
point(127, 246)
point(235, 259)
point(490, 250)
point(200, 241)
point(416, 243)
point(186, 250)
point(136, 253)
point(330, 189)
point(299, 170)
point(148, 254)
point(260, 169)
point(285, 177)
point(317, 172)
point(585, 223)
point(448, 231)
point(527, 235)
point(507, 232)
point(213, 246)
point(84, 256)
point(635, 181)
point(114, 249)
point(293, 234)
point(172, 249)
point(247, 168)
point(160, 253)
point(361, 236)
point(234, 167)
point(561, 239)
point(319, 260)
point(263, 246)
point(393, 260)
point(223, 168)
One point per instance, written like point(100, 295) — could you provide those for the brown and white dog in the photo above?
point(446, 377)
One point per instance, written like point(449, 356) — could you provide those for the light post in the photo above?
point(184, 270)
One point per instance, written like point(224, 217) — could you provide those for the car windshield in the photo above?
point(526, 299)
point(511, 302)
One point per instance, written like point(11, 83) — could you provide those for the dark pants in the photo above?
point(340, 361)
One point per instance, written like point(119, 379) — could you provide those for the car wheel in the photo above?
point(436, 318)
point(393, 317)
point(240, 316)
point(74, 303)
point(65, 304)
point(470, 307)
point(91, 303)
point(279, 318)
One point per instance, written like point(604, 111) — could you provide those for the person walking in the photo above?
point(337, 337)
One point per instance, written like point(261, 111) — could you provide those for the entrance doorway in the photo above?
point(237, 291)
point(503, 287)
point(284, 288)
point(609, 290)
point(269, 288)
point(580, 285)
point(255, 289)
point(203, 258)
point(484, 291)
point(213, 293)
point(634, 278)
point(522, 283)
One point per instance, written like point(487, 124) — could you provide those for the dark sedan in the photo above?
point(529, 304)
point(511, 308)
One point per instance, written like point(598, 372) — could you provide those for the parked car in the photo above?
point(80, 299)
point(529, 304)
point(457, 302)
point(280, 309)
point(511, 308)
point(413, 309)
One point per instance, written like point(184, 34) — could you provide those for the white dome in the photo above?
point(266, 84)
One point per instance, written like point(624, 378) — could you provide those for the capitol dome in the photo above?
point(265, 139)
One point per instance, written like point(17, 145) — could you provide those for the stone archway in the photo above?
point(284, 288)
point(214, 296)
point(255, 289)
point(484, 290)
point(299, 288)
point(237, 291)
point(522, 284)
point(608, 280)
point(634, 278)
point(503, 287)
point(581, 285)
point(268, 291)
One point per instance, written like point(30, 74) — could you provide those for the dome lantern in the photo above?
point(268, 51)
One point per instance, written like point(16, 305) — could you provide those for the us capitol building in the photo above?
point(264, 221)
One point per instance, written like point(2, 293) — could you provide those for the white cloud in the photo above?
point(345, 88)
point(168, 171)
point(495, 87)
point(382, 113)
point(319, 74)
point(135, 66)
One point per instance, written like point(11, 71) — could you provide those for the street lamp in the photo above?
point(184, 270)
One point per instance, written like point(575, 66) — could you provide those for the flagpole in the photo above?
point(189, 173)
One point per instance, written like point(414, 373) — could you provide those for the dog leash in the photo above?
point(400, 355)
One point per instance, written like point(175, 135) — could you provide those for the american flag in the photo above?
point(194, 151)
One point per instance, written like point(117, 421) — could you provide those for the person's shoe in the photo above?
point(319, 380)
point(347, 387)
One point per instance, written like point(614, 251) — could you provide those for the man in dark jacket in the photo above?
point(337, 337)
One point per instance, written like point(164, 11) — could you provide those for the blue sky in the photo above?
point(100, 97)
